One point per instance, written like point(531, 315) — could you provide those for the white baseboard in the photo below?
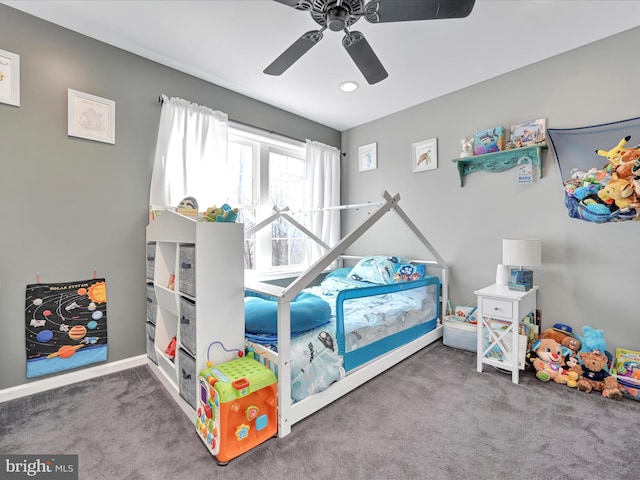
point(69, 378)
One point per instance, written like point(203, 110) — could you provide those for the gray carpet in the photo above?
point(430, 417)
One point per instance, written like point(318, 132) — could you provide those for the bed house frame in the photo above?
point(359, 370)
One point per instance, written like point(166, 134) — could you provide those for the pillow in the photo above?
point(407, 272)
point(377, 269)
point(308, 311)
point(339, 272)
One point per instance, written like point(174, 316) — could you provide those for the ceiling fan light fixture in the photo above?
point(349, 86)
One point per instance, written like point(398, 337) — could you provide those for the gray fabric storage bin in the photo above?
point(151, 260)
point(187, 377)
point(187, 269)
point(151, 338)
point(188, 325)
point(152, 304)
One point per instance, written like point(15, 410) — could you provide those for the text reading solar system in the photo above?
point(66, 325)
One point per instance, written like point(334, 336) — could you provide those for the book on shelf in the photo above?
point(498, 340)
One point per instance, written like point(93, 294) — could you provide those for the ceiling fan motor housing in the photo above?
point(336, 16)
point(337, 19)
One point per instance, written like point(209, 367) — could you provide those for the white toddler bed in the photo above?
point(371, 327)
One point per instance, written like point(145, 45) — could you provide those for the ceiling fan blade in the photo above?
point(292, 54)
point(364, 57)
point(297, 4)
point(382, 11)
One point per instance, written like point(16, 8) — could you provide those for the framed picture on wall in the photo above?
point(368, 156)
point(528, 133)
point(91, 117)
point(9, 78)
point(425, 155)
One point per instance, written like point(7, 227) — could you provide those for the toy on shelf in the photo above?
point(188, 206)
point(237, 406)
point(170, 351)
point(221, 214)
point(171, 284)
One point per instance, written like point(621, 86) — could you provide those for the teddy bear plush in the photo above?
point(594, 375)
point(548, 363)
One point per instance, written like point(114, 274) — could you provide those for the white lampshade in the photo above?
point(522, 252)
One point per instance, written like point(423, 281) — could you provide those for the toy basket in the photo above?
point(582, 211)
point(575, 151)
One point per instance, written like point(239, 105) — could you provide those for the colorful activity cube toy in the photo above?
point(237, 407)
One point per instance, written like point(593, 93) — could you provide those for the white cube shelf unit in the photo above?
point(212, 301)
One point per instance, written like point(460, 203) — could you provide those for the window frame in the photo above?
point(264, 144)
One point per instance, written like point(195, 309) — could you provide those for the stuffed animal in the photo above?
point(228, 214)
point(564, 338)
point(627, 160)
point(594, 375)
point(620, 191)
point(212, 213)
point(221, 214)
point(549, 364)
point(593, 339)
point(613, 155)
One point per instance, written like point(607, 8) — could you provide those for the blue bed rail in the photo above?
point(366, 353)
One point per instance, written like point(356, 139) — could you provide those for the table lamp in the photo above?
point(518, 253)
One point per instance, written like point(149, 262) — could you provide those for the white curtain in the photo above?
point(322, 190)
point(191, 154)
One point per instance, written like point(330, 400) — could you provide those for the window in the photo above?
point(264, 171)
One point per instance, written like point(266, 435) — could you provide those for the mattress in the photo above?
point(315, 362)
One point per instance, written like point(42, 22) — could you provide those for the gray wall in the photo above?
point(72, 205)
point(590, 272)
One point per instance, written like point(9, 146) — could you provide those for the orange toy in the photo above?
point(236, 407)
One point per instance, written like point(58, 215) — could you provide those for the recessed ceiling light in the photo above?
point(349, 86)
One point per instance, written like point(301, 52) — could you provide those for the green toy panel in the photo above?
point(239, 378)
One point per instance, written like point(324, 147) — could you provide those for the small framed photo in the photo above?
point(9, 78)
point(425, 155)
point(489, 140)
point(368, 155)
point(91, 117)
point(528, 133)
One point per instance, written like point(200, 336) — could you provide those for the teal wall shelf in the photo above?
point(500, 161)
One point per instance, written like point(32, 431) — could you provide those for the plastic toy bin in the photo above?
point(237, 407)
point(460, 334)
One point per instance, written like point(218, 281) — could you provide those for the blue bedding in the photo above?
point(315, 362)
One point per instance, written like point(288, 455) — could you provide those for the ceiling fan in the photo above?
point(337, 15)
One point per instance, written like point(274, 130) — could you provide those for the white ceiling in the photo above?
point(229, 43)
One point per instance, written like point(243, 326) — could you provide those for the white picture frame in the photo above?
point(529, 133)
point(425, 155)
point(91, 117)
point(9, 78)
point(368, 157)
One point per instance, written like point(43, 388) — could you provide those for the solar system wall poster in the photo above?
point(66, 325)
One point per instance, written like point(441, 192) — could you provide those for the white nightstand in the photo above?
point(500, 311)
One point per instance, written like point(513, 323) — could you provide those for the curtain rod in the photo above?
point(344, 154)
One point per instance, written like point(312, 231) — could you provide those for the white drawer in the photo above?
point(497, 308)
